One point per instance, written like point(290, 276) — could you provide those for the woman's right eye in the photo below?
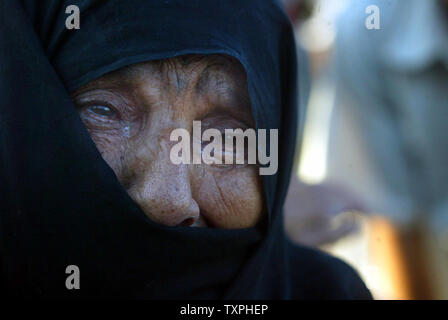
point(102, 110)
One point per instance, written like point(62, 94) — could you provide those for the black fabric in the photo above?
point(60, 204)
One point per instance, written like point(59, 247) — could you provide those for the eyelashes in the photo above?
point(98, 112)
point(103, 110)
point(99, 105)
point(227, 149)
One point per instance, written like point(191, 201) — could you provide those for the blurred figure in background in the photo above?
point(388, 139)
point(315, 214)
point(372, 138)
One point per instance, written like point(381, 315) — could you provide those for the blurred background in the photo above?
point(371, 175)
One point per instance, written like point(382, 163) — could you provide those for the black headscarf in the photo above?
point(61, 204)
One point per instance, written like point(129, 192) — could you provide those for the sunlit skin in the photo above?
point(130, 114)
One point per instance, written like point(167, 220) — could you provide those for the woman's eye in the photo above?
point(236, 152)
point(104, 111)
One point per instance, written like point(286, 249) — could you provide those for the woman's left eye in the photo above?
point(104, 111)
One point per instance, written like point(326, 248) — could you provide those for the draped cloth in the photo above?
point(61, 204)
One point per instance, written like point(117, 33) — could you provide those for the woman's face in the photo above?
point(130, 115)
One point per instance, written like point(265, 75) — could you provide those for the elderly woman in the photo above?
point(86, 174)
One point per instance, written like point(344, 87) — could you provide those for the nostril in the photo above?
point(187, 222)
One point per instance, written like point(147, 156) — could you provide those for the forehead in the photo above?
point(218, 80)
point(202, 71)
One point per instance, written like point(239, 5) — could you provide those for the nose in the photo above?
point(162, 189)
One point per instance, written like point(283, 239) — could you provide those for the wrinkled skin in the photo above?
point(130, 114)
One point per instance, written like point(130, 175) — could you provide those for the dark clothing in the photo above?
point(319, 276)
point(62, 205)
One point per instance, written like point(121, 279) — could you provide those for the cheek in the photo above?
point(112, 148)
point(229, 198)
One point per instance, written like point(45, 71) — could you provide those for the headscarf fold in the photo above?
point(61, 204)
